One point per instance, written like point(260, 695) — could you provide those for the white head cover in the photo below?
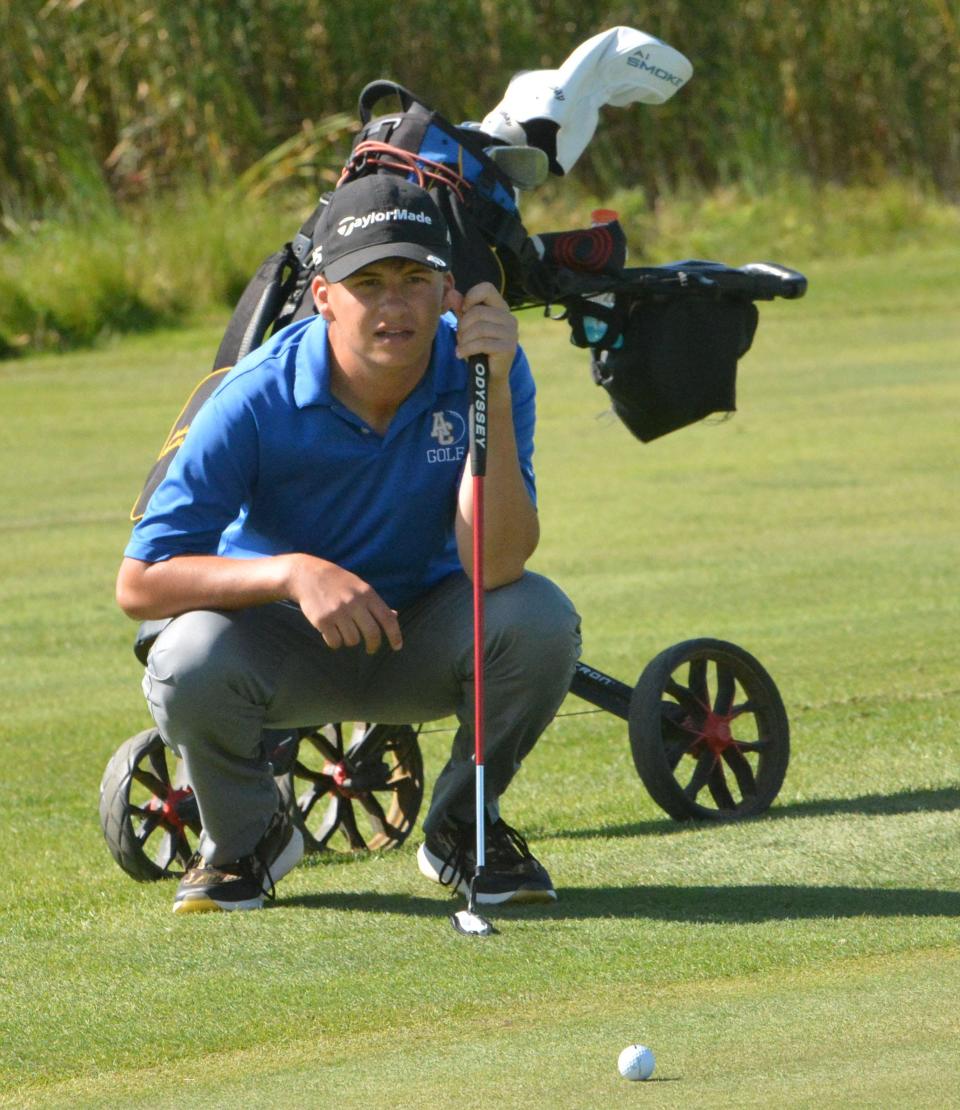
point(616, 67)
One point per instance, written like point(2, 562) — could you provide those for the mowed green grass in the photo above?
point(807, 958)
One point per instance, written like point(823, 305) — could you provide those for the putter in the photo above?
point(468, 921)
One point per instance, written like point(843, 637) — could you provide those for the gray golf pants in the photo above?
point(215, 680)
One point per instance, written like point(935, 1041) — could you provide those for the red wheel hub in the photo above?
point(712, 733)
point(340, 773)
point(168, 808)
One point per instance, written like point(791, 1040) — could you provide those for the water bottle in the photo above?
point(595, 329)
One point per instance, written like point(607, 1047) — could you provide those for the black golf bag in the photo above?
point(664, 341)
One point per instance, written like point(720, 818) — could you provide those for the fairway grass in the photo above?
point(807, 958)
point(724, 1039)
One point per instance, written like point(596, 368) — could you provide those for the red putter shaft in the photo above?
point(479, 370)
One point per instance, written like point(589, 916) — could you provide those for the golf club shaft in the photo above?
point(478, 667)
point(479, 368)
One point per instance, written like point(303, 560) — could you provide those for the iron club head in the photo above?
point(526, 166)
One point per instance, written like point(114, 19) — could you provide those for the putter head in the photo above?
point(471, 924)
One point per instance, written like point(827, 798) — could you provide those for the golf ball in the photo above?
point(636, 1062)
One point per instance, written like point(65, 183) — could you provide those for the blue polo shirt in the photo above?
point(274, 464)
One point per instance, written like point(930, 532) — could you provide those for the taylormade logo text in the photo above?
point(349, 224)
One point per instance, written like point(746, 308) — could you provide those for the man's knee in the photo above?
point(197, 666)
point(535, 619)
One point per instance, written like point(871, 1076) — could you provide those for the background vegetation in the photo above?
point(118, 97)
point(151, 154)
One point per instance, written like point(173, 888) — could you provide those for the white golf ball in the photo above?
point(636, 1062)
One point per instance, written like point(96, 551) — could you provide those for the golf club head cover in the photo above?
point(551, 258)
point(558, 109)
point(592, 250)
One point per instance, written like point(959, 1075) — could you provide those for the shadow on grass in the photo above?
point(944, 800)
point(701, 904)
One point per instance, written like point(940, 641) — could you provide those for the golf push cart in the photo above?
point(707, 728)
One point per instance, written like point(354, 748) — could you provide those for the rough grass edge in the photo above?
point(69, 285)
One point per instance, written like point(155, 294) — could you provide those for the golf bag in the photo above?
point(664, 341)
point(475, 196)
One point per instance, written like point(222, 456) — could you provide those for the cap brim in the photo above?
point(348, 264)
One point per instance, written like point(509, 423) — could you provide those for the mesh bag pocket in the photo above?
point(677, 363)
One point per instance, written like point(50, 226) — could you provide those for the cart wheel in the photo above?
point(149, 819)
point(372, 789)
point(708, 732)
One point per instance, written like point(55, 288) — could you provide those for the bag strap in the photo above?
point(175, 438)
point(258, 307)
point(378, 90)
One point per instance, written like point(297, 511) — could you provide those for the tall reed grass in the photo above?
point(182, 257)
point(108, 98)
point(151, 154)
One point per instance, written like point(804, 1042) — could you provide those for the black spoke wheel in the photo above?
point(370, 790)
point(709, 732)
point(149, 817)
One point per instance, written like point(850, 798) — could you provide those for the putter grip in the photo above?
point(479, 368)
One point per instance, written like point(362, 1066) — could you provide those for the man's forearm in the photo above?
point(345, 609)
point(151, 591)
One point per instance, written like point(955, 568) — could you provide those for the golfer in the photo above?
point(312, 541)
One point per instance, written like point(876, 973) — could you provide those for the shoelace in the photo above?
point(271, 893)
point(505, 844)
point(276, 824)
point(255, 869)
point(454, 866)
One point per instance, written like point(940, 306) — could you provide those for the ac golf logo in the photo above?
point(449, 429)
point(349, 224)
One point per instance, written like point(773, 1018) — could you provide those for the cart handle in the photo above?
point(756, 281)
